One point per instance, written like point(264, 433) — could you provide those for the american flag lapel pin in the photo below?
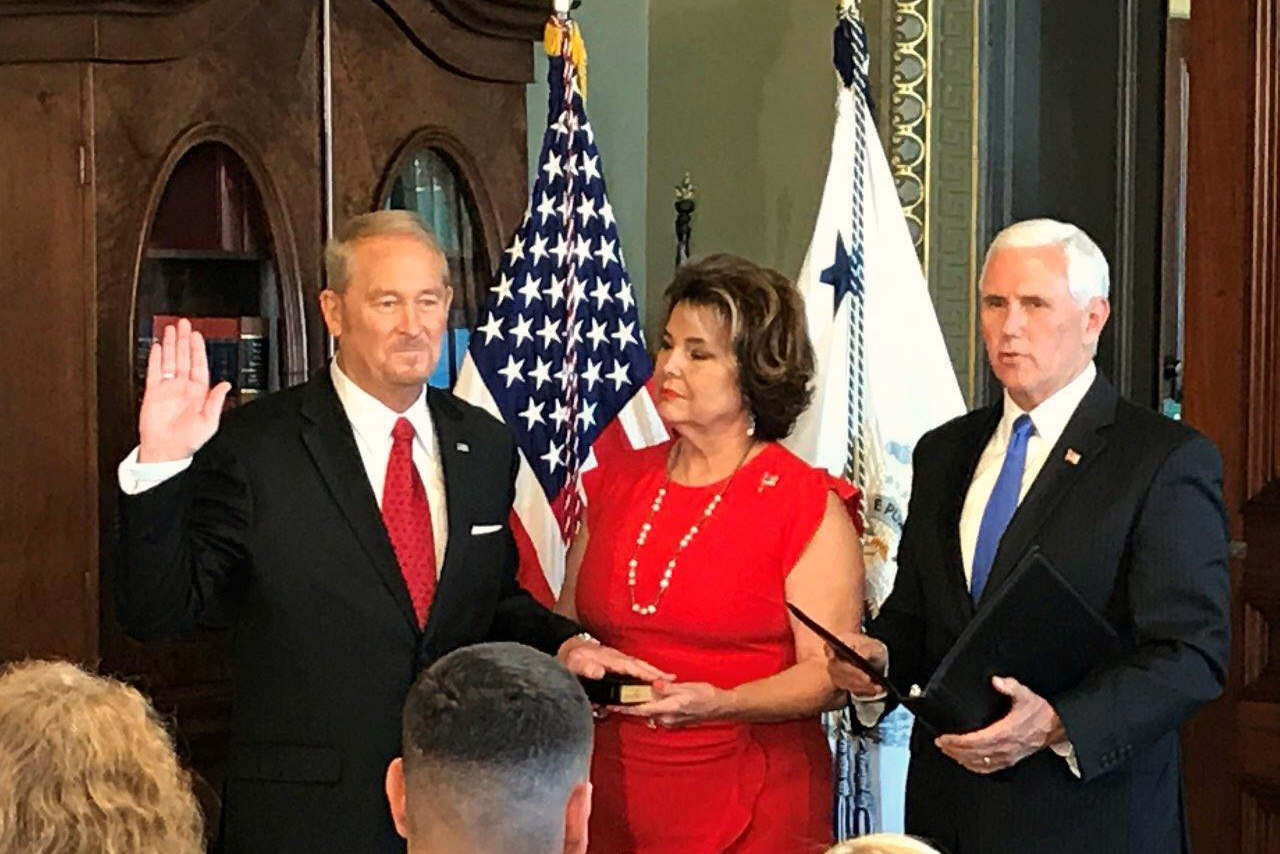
point(1073, 456)
point(464, 448)
point(769, 479)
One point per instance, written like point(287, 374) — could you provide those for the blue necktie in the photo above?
point(1001, 505)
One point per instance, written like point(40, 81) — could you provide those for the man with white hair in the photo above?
point(1128, 506)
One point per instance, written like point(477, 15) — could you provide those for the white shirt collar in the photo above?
point(1051, 416)
point(372, 419)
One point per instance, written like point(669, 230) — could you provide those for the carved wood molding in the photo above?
point(509, 19)
point(1260, 820)
point(113, 31)
point(284, 244)
point(488, 39)
point(442, 139)
point(1263, 448)
point(459, 47)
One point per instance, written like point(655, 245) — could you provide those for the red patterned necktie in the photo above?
point(407, 515)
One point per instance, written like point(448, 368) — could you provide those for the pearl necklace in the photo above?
point(643, 535)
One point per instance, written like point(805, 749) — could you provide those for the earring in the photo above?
point(751, 425)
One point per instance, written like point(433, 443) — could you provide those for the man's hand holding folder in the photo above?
point(1035, 637)
point(1031, 724)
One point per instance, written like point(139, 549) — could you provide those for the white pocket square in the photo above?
point(477, 530)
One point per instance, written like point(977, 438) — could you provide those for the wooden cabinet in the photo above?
point(104, 104)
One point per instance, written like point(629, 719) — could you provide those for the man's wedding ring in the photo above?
point(986, 760)
point(168, 375)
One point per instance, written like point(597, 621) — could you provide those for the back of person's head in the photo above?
point(86, 766)
point(496, 755)
point(883, 843)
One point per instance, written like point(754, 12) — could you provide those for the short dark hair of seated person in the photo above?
point(496, 756)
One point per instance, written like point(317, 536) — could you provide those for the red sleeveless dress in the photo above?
point(722, 787)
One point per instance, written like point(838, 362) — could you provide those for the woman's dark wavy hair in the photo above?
point(766, 320)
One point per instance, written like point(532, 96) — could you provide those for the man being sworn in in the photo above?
point(1128, 506)
point(354, 527)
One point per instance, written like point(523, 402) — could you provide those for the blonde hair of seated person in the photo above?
point(883, 843)
point(86, 767)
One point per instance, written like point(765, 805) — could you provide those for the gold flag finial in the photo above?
point(553, 35)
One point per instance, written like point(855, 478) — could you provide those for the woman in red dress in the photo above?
point(689, 552)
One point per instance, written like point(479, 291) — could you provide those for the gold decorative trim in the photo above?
point(909, 117)
point(975, 251)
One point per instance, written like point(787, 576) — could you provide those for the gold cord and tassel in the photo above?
point(553, 39)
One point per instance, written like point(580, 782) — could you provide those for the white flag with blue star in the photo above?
point(883, 379)
point(884, 376)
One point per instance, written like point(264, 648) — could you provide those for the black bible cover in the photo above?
point(616, 690)
point(1036, 628)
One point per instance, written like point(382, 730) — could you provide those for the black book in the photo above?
point(616, 690)
point(253, 354)
point(1036, 628)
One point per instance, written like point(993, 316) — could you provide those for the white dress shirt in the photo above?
point(1048, 419)
point(371, 422)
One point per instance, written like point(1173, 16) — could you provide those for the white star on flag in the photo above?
point(624, 335)
point(538, 250)
point(492, 329)
point(521, 332)
point(502, 290)
point(541, 372)
point(597, 335)
point(552, 456)
point(532, 414)
point(547, 208)
point(516, 250)
point(549, 334)
point(531, 290)
point(591, 375)
point(625, 297)
point(552, 166)
point(605, 253)
point(601, 293)
point(512, 370)
point(618, 375)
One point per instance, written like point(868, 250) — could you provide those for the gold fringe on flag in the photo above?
point(553, 41)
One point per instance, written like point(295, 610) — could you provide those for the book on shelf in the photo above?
point(236, 347)
point(254, 344)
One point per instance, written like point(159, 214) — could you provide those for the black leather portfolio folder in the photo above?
point(1035, 628)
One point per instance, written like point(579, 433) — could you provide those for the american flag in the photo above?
point(558, 353)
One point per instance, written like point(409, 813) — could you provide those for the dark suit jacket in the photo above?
point(275, 523)
point(1138, 527)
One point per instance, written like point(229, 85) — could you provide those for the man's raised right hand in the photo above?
point(179, 410)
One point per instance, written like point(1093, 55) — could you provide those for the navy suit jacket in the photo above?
point(275, 524)
point(1138, 527)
